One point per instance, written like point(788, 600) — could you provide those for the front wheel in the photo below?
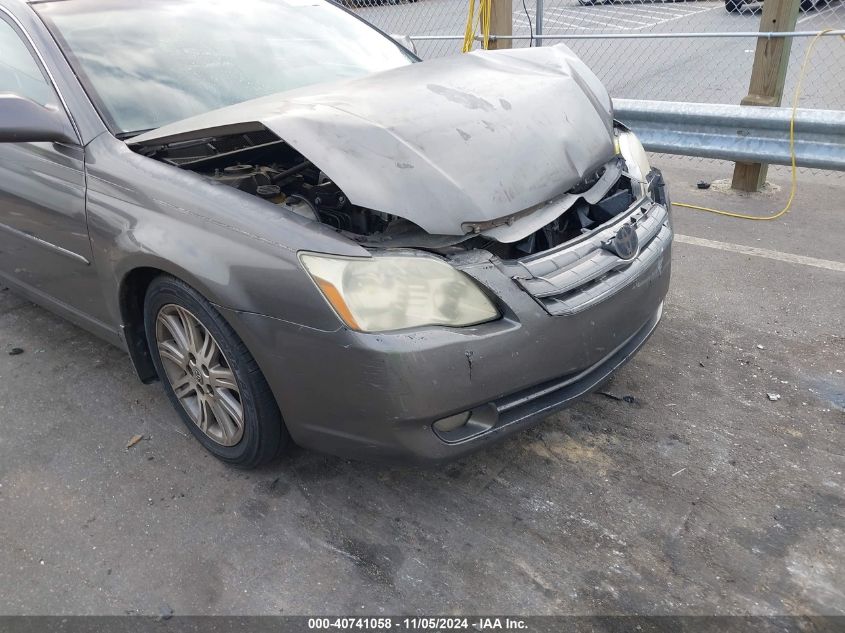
point(210, 377)
point(734, 6)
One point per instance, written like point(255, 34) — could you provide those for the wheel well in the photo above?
point(132, 293)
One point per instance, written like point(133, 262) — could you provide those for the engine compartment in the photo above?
point(263, 165)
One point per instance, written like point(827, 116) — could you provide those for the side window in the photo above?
point(19, 72)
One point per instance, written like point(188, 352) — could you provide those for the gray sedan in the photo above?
point(306, 234)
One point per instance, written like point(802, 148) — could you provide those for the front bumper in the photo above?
point(377, 396)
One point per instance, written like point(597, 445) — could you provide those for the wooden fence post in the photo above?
point(501, 22)
point(767, 78)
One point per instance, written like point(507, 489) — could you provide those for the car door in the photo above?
point(44, 245)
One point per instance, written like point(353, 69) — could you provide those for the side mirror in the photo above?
point(24, 121)
point(406, 41)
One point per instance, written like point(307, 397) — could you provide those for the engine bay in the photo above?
point(263, 165)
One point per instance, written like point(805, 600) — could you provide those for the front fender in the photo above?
point(240, 252)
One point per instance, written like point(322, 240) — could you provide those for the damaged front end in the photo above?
point(261, 164)
point(566, 252)
point(511, 157)
point(519, 244)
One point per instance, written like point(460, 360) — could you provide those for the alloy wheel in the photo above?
point(200, 375)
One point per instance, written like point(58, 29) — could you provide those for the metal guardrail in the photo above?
point(737, 133)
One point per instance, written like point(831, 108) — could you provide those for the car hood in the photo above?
point(453, 144)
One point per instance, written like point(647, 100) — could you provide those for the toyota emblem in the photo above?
point(626, 244)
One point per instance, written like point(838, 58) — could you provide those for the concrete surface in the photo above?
point(699, 496)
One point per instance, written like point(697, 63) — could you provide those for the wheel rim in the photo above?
point(200, 375)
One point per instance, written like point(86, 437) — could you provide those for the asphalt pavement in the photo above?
point(707, 478)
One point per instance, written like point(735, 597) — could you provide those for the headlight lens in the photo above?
point(635, 156)
point(386, 293)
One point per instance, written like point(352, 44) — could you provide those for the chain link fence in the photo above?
point(706, 70)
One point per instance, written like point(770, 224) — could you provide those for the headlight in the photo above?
point(633, 152)
point(396, 292)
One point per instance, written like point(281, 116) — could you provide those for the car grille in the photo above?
point(572, 278)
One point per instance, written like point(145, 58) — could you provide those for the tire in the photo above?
point(734, 6)
point(216, 378)
point(806, 5)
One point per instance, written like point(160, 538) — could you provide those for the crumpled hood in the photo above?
point(466, 139)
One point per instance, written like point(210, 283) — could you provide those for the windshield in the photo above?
point(146, 63)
